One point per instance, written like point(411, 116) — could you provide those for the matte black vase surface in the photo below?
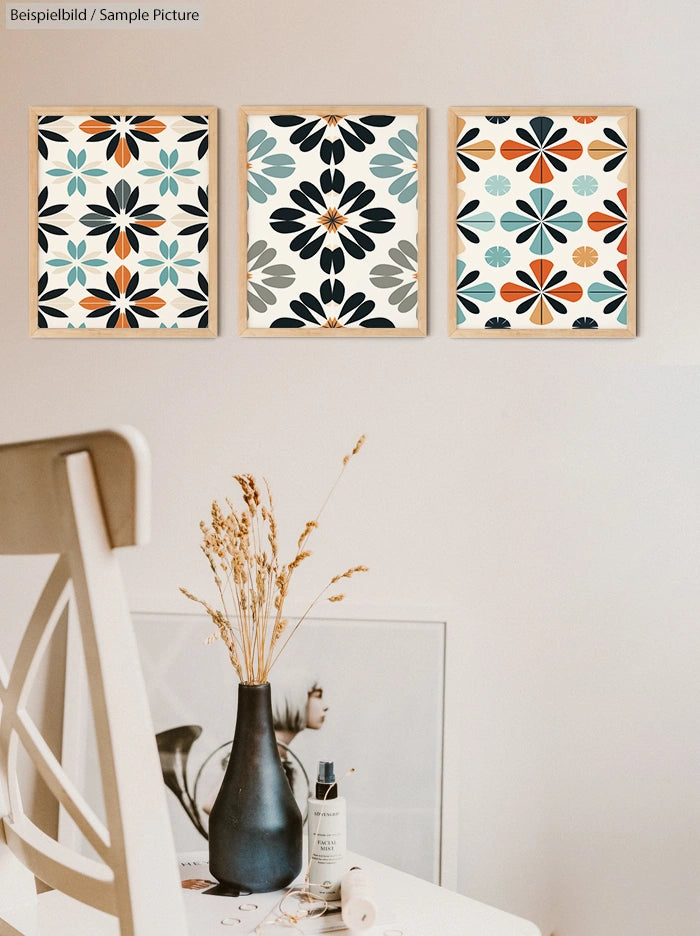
point(255, 827)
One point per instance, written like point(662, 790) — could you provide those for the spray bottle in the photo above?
point(327, 835)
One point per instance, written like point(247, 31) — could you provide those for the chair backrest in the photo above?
point(80, 497)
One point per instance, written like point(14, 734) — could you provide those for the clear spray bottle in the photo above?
point(327, 829)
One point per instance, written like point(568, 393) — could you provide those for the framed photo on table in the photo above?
point(542, 222)
point(123, 221)
point(333, 221)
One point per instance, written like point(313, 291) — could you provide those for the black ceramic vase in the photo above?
point(255, 824)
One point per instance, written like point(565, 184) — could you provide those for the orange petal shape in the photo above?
point(585, 120)
point(622, 195)
point(122, 276)
point(541, 173)
point(122, 247)
point(147, 223)
point(569, 149)
point(600, 222)
point(151, 302)
point(541, 314)
point(541, 269)
point(122, 154)
point(95, 126)
point(514, 149)
point(569, 292)
point(622, 246)
point(151, 126)
point(91, 303)
point(622, 267)
point(512, 292)
point(122, 321)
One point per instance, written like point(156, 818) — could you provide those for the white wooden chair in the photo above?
point(81, 497)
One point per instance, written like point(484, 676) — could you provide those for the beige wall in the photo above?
point(544, 490)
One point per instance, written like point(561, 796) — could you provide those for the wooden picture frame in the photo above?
point(542, 222)
point(123, 221)
point(333, 221)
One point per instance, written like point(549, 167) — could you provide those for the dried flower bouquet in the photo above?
point(242, 549)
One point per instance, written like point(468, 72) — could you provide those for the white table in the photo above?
point(407, 906)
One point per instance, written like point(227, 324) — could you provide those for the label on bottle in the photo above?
point(327, 846)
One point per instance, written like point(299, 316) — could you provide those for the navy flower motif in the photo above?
point(317, 219)
point(332, 312)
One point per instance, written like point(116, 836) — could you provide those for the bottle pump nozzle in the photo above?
point(326, 786)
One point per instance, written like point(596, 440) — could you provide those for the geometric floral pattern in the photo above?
point(542, 229)
point(333, 221)
point(124, 203)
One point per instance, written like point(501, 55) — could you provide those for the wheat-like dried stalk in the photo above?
point(241, 546)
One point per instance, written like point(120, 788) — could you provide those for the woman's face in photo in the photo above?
point(316, 709)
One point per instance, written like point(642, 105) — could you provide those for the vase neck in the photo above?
point(254, 715)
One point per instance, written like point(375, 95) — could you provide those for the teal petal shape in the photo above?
point(541, 244)
point(256, 138)
point(172, 272)
point(82, 279)
point(186, 172)
point(174, 188)
point(72, 250)
point(58, 263)
point(385, 172)
point(603, 292)
point(511, 221)
point(482, 292)
point(264, 148)
point(82, 156)
point(409, 193)
point(82, 188)
point(82, 247)
point(164, 160)
point(256, 194)
point(262, 182)
point(174, 247)
point(72, 160)
point(164, 252)
point(399, 147)
point(163, 187)
point(385, 159)
point(72, 185)
point(163, 279)
point(409, 139)
point(58, 172)
point(95, 172)
point(541, 197)
point(571, 221)
point(147, 172)
point(173, 159)
point(72, 275)
point(483, 221)
point(400, 184)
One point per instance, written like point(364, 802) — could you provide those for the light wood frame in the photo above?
point(121, 110)
point(624, 112)
point(421, 114)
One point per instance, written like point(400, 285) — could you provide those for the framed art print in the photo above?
point(542, 222)
point(333, 237)
point(123, 221)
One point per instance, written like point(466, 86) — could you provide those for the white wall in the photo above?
point(547, 490)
